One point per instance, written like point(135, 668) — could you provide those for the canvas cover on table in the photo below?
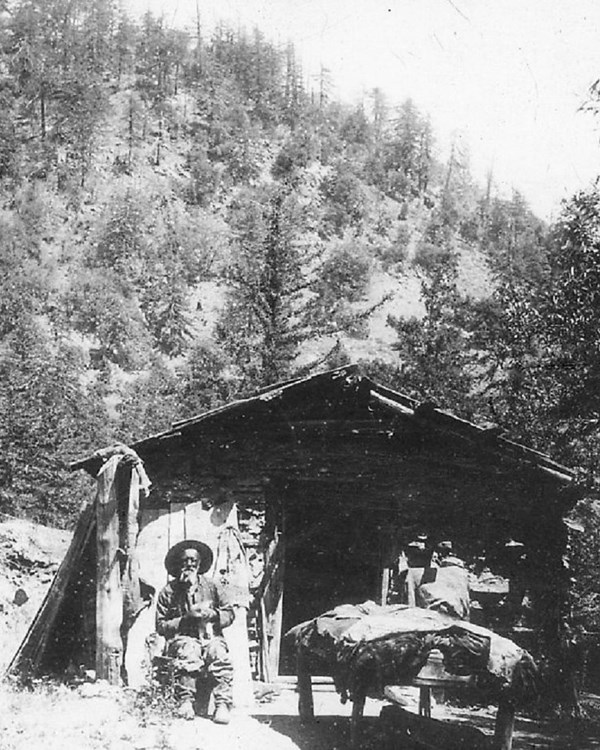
point(368, 646)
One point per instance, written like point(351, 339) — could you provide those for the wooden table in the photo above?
point(505, 715)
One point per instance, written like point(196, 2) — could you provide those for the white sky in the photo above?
point(509, 75)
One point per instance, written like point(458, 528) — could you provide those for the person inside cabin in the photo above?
point(418, 559)
point(191, 615)
point(445, 551)
point(515, 569)
point(443, 587)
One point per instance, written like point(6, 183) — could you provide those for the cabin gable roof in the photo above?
point(354, 403)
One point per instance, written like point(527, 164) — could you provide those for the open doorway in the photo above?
point(333, 555)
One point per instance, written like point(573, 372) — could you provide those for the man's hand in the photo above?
point(203, 613)
point(187, 577)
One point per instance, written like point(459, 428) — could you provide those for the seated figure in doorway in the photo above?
point(444, 588)
point(191, 615)
point(517, 604)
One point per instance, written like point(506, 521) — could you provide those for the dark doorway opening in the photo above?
point(333, 555)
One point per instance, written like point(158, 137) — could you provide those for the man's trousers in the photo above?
point(199, 666)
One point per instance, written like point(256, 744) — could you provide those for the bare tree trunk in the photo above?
point(130, 136)
point(43, 114)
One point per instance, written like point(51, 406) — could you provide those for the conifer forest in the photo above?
point(185, 218)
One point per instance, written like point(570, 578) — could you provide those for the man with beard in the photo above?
point(191, 615)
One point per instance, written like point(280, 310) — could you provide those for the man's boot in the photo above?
point(186, 711)
point(185, 689)
point(202, 700)
point(221, 715)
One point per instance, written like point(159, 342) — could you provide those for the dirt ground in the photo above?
point(99, 717)
point(53, 716)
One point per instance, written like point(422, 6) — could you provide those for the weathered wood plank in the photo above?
point(385, 586)
point(109, 599)
point(197, 520)
point(265, 661)
point(176, 523)
point(271, 603)
point(33, 647)
point(153, 545)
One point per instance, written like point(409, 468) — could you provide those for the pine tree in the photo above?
point(46, 418)
point(265, 319)
point(408, 153)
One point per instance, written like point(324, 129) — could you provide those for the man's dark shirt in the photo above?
point(173, 607)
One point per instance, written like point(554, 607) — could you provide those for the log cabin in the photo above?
point(328, 477)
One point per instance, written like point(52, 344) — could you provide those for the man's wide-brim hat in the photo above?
point(173, 558)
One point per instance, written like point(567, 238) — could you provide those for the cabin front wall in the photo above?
point(172, 513)
point(324, 518)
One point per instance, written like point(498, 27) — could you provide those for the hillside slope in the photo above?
point(183, 221)
point(29, 557)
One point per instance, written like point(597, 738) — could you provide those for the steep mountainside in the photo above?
point(29, 557)
point(182, 220)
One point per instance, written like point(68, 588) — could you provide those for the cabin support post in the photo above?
point(109, 596)
point(270, 596)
